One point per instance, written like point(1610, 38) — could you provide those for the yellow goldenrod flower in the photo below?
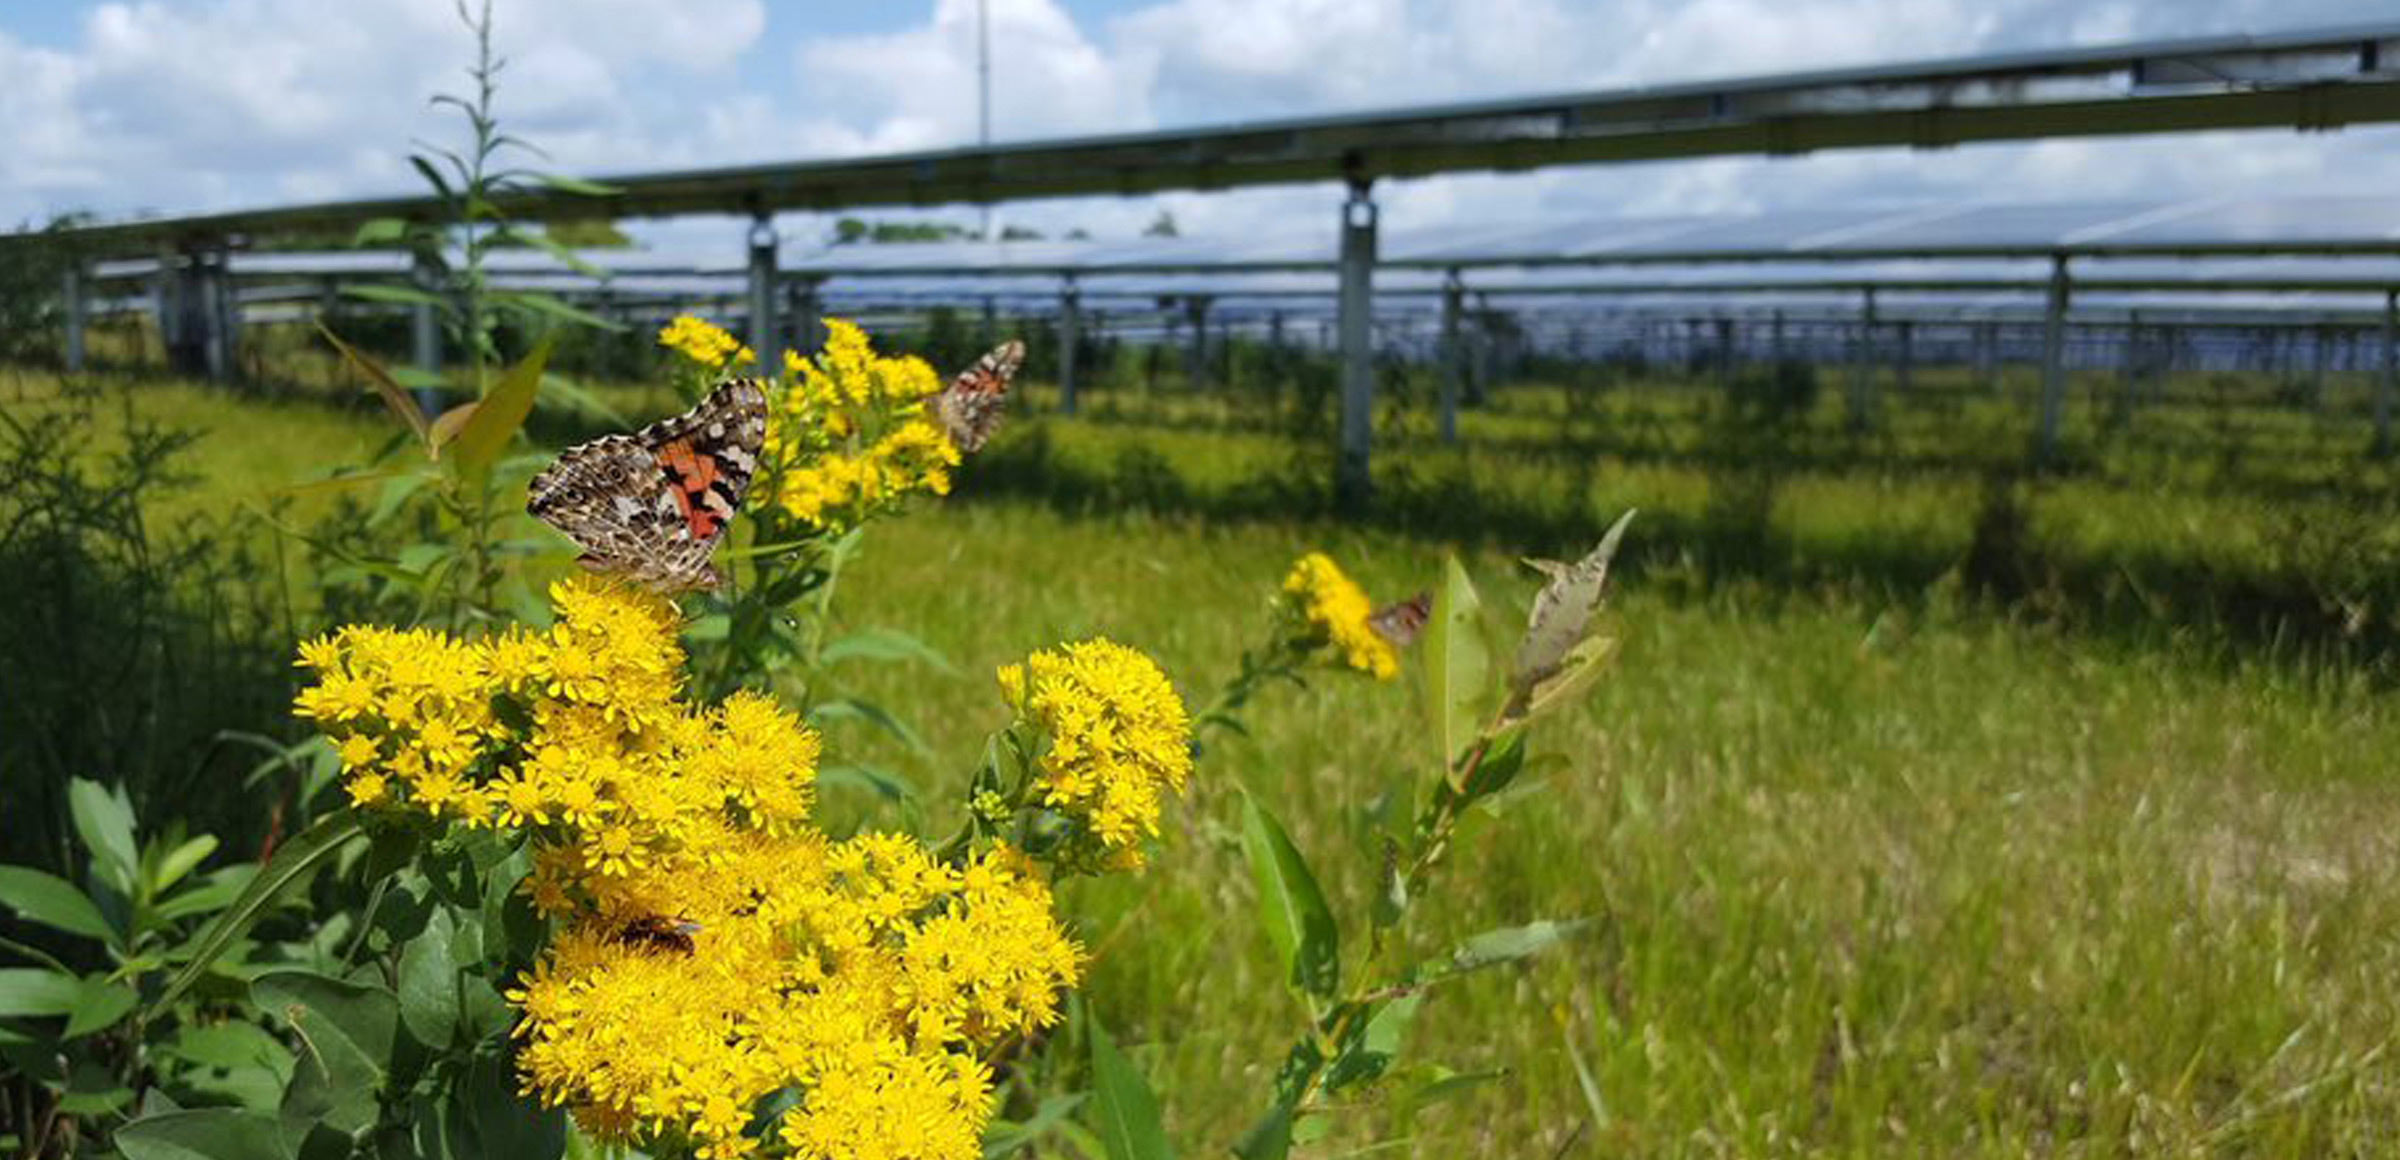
point(1324, 607)
point(1118, 735)
point(850, 438)
point(705, 343)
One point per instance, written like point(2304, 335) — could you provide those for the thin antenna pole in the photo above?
point(983, 89)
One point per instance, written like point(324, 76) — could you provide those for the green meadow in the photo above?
point(1932, 806)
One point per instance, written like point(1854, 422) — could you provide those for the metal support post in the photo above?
point(1453, 352)
point(425, 327)
point(1862, 367)
point(2389, 383)
point(2054, 362)
point(221, 316)
point(1070, 340)
point(72, 306)
point(1351, 482)
point(1726, 362)
point(1195, 342)
point(808, 319)
point(763, 336)
point(1904, 360)
point(2320, 360)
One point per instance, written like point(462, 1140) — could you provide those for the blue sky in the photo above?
point(170, 106)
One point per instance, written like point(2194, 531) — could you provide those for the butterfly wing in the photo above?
point(1400, 623)
point(970, 406)
point(652, 505)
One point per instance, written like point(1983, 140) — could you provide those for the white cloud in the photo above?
point(204, 104)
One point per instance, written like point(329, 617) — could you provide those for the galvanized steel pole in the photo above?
point(762, 294)
point(1195, 348)
point(2390, 382)
point(1351, 479)
point(1453, 352)
point(71, 295)
point(1070, 340)
point(1862, 367)
point(2054, 362)
point(425, 327)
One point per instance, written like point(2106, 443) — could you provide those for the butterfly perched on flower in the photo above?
point(970, 406)
point(1400, 622)
point(652, 505)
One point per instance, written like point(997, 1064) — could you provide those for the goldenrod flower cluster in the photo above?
point(577, 734)
point(863, 974)
point(1322, 608)
point(705, 343)
point(1116, 736)
point(865, 977)
point(851, 436)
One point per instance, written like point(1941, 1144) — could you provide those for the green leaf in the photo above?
point(432, 176)
point(488, 431)
point(1584, 664)
point(503, 1123)
point(883, 783)
point(550, 306)
point(204, 1134)
point(565, 184)
point(1456, 662)
point(1127, 1111)
point(886, 644)
point(210, 894)
point(380, 232)
point(852, 709)
point(1441, 1083)
point(38, 992)
point(330, 1012)
point(104, 820)
point(429, 982)
point(1505, 945)
point(53, 902)
point(581, 400)
point(347, 1033)
point(1499, 764)
point(1291, 905)
point(1003, 1138)
point(181, 861)
point(293, 861)
point(394, 396)
point(1368, 1052)
point(395, 295)
point(1270, 1136)
point(99, 1004)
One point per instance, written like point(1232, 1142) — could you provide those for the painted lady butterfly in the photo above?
point(970, 406)
point(1400, 623)
point(652, 505)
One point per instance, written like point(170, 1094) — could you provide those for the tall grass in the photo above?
point(1932, 808)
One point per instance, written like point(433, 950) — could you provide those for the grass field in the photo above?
point(1929, 810)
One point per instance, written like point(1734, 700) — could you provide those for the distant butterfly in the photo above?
point(970, 406)
point(1400, 623)
point(652, 505)
point(654, 933)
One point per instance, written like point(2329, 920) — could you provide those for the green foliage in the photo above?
point(132, 638)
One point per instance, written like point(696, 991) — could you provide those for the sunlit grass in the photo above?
point(1880, 867)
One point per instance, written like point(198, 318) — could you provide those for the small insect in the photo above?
point(1401, 622)
point(663, 934)
point(652, 505)
point(970, 406)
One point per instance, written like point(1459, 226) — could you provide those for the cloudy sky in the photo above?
point(180, 105)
